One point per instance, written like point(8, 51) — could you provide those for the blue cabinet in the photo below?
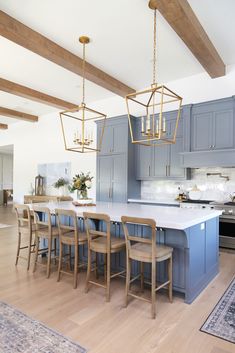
point(116, 180)
point(115, 138)
point(213, 125)
point(164, 162)
point(112, 178)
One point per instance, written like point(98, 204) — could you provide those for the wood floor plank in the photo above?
point(108, 327)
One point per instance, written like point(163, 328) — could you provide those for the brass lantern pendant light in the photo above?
point(148, 121)
point(78, 123)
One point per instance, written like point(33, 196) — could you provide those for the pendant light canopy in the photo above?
point(149, 124)
point(78, 123)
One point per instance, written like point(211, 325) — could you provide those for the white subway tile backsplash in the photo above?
point(213, 187)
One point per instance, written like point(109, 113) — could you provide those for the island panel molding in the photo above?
point(22, 35)
point(185, 23)
point(3, 126)
point(29, 93)
point(10, 113)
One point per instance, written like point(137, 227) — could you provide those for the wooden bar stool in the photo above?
point(44, 230)
point(146, 250)
point(101, 242)
point(26, 229)
point(70, 236)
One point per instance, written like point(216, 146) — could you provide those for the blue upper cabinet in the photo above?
point(164, 162)
point(115, 138)
point(213, 125)
point(202, 138)
point(223, 129)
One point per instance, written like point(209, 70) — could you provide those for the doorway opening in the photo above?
point(6, 175)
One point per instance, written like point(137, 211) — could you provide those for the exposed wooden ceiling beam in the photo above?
point(17, 32)
point(29, 93)
point(180, 16)
point(3, 126)
point(10, 113)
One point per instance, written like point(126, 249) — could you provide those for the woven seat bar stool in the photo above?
point(71, 236)
point(26, 230)
point(101, 242)
point(145, 250)
point(44, 230)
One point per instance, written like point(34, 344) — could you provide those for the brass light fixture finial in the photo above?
point(148, 125)
point(153, 4)
point(75, 123)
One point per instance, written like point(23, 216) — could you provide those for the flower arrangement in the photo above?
point(81, 182)
point(60, 182)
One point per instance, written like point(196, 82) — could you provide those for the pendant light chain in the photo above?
point(154, 46)
point(83, 74)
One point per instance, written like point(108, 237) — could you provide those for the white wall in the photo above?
point(42, 142)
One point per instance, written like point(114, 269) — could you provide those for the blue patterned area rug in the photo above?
point(19, 333)
point(221, 322)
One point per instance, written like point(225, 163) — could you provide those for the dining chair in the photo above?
point(146, 250)
point(44, 231)
point(69, 235)
point(101, 242)
point(26, 230)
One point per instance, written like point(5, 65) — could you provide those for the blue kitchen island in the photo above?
point(193, 234)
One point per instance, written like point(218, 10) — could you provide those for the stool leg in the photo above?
point(128, 278)
point(55, 249)
point(108, 277)
point(29, 250)
point(105, 267)
point(96, 265)
point(70, 260)
point(49, 257)
point(60, 261)
point(88, 269)
point(75, 273)
point(170, 277)
point(18, 248)
point(142, 276)
point(36, 253)
point(153, 292)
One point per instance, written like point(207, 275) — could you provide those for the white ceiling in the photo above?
point(121, 33)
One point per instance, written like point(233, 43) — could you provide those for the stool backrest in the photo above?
point(148, 222)
point(24, 219)
point(64, 228)
point(44, 224)
point(91, 220)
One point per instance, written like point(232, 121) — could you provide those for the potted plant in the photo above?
point(60, 185)
point(81, 182)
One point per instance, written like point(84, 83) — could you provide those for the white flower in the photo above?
point(88, 184)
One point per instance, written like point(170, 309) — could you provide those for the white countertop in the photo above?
point(165, 217)
point(158, 201)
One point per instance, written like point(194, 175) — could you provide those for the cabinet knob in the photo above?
point(210, 146)
point(213, 146)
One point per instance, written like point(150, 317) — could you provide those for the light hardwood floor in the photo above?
point(107, 327)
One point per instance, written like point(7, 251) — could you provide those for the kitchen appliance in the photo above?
point(226, 224)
